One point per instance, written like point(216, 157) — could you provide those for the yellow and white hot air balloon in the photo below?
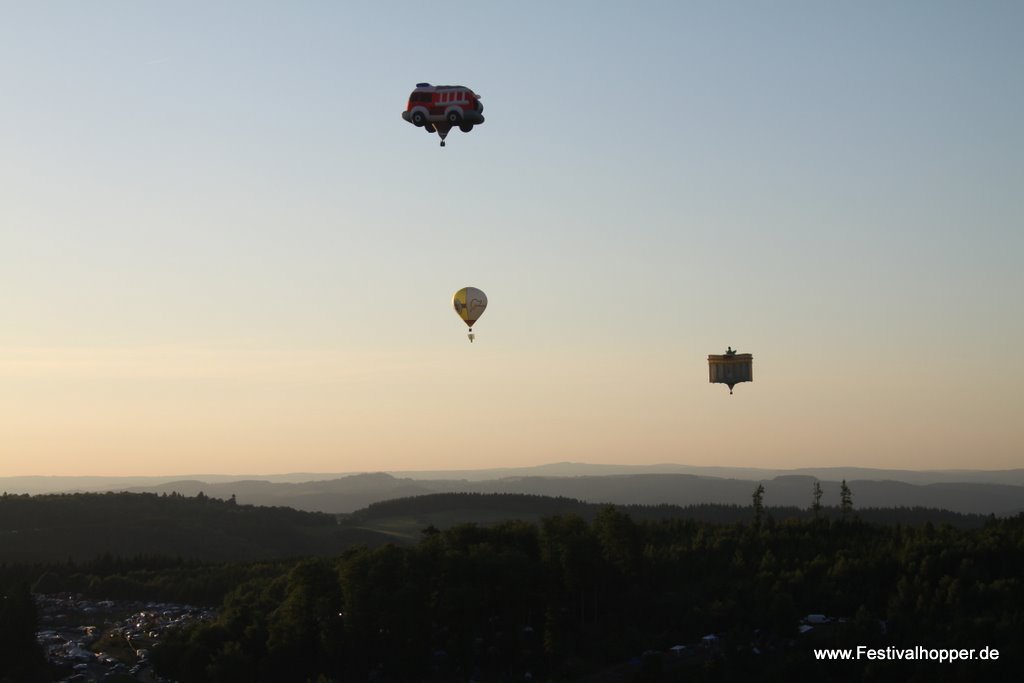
point(470, 303)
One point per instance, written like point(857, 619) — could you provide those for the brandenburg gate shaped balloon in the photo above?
point(730, 368)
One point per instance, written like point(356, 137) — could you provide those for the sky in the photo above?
point(223, 251)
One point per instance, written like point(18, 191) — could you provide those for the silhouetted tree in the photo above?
point(816, 505)
point(758, 504)
point(845, 499)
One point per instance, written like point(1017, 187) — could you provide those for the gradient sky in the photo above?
point(222, 249)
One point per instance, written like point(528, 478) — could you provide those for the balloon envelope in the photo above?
point(731, 368)
point(469, 303)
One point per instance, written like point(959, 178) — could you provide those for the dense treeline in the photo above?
point(80, 526)
point(21, 658)
point(474, 506)
point(571, 599)
point(574, 593)
point(88, 509)
point(512, 504)
point(160, 579)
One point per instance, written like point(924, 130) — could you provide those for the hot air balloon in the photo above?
point(437, 108)
point(731, 368)
point(470, 303)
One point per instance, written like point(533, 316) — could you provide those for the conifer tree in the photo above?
point(845, 499)
point(816, 505)
point(758, 504)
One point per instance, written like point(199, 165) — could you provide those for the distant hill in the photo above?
point(574, 469)
point(965, 491)
point(35, 485)
point(334, 495)
point(84, 526)
point(55, 484)
point(56, 528)
point(348, 494)
point(405, 518)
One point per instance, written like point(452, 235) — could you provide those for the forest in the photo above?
point(80, 526)
point(581, 597)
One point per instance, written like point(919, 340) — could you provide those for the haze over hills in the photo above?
point(573, 469)
point(58, 484)
point(965, 491)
